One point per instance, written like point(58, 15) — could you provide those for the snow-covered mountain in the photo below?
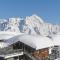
point(30, 25)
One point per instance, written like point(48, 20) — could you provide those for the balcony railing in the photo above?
point(10, 51)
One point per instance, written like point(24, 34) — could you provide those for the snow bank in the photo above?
point(56, 40)
point(6, 35)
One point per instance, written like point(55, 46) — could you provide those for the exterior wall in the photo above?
point(59, 51)
point(54, 53)
point(10, 59)
point(50, 50)
point(17, 45)
point(1, 58)
point(41, 54)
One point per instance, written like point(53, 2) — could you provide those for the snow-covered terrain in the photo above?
point(30, 25)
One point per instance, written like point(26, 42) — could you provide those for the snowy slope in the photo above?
point(29, 25)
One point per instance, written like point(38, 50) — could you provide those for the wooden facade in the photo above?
point(41, 54)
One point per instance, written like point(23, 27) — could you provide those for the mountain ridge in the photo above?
point(30, 25)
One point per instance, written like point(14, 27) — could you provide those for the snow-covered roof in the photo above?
point(34, 41)
point(3, 44)
point(56, 39)
point(6, 35)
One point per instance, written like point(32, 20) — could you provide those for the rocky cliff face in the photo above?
point(30, 25)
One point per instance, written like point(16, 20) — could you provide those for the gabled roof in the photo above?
point(34, 41)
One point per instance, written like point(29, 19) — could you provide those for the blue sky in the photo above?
point(49, 10)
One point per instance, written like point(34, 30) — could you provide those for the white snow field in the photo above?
point(7, 34)
point(56, 40)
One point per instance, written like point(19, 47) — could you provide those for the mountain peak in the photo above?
point(38, 18)
point(34, 17)
point(30, 25)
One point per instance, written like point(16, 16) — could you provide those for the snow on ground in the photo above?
point(56, 39)
point(6, 35)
